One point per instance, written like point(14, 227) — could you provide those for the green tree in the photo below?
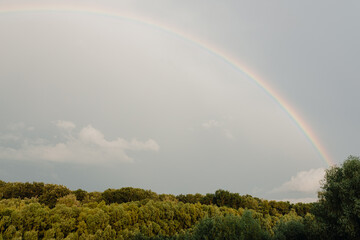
point(338, 209)
point(229, 227)
point(80, 194)
point(31, 235)
point(68, 200)
point(127, 194)
point(52, 193)
point(291, 230)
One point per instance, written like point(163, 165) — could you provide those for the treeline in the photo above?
point(48, 211)
point(49, 194)
point(146, 219)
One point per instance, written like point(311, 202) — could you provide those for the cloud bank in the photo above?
point(86, 146)
point(304, 181)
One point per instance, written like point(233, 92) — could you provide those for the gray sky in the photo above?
point(94, 101)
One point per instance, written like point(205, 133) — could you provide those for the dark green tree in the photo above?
point(338, 209)
point(80, 194)
point(127, 194)
point(291, 230)
point(230, 227)
point(51, 194)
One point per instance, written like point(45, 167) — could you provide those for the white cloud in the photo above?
point(65, 124)
point(87, 146)
point(211, 124)
point(304, 181)
point(93, 136)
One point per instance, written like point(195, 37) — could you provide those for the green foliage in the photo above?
point(190, 198)
point(229, 227)
point(49, 211)
point(338, 209)
point(69, 220)
point(46, 193)
point(290, 227)
point(302, 208)
point(127, 194)
point(291, 230)
point(31, 235)
point(234, 200)
point(294, 227)
point(55, 212)
point(51, 194)
point(21, 190)
point(69, 200)
point(80, 194)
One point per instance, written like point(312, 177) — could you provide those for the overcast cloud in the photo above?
point(87, 146)
point(167, 113)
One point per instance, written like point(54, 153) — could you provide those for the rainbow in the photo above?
point(200, 43)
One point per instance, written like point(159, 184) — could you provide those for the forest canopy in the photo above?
point(48, 211)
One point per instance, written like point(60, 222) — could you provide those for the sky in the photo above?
point(165, 95)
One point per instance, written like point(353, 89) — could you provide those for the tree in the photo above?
point(230, 227)
point(51, 194)
point(80, 194)
point(127, 194)
point(294, 229)
point(338, 209)
point(69, 200)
